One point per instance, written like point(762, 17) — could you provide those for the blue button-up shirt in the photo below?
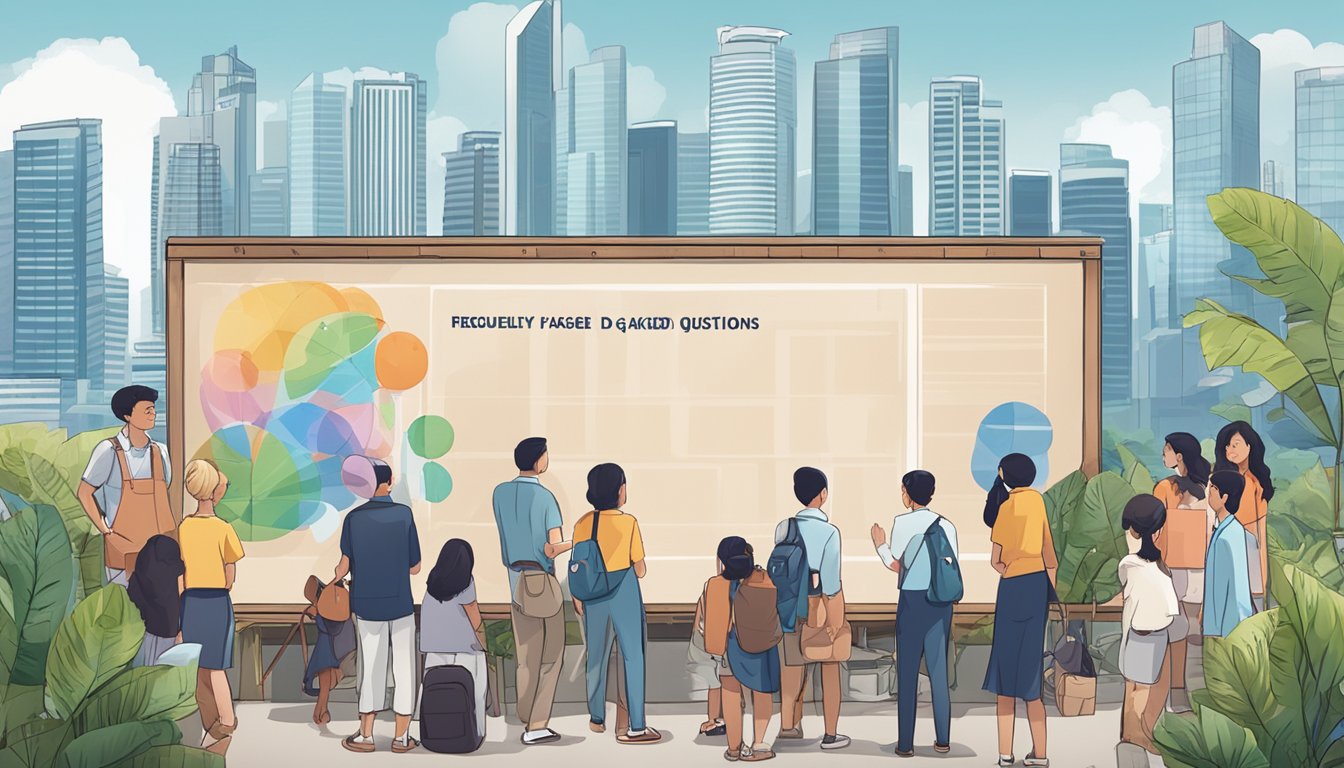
point(1227, 580)
point(525, 513)
point(381, 541)
point(821, 539)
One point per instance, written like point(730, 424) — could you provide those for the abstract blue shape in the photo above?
point(1011, 428)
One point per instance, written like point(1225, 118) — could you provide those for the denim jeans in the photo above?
point(922, 630)
point(619, 617)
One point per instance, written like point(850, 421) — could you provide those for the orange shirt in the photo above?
point(1023, 532)
point(1184, 540)
point(1251, 513)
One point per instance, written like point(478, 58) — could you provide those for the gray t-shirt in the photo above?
point(444, 626)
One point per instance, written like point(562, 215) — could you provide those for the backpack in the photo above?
point(788, 571)
point(945, 583)
point(448, 711)
point(589, 578)
point(756, 613)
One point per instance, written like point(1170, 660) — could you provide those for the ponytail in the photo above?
point(1016, 470)
point(1148, 549)
point(998, 493)
point(1145, 514)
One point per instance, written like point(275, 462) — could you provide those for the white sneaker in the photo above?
point(838, 741)
point(1036, 762)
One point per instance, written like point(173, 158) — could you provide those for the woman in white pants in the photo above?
point(451, 630)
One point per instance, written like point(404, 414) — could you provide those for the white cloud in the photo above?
point(441, 136)
point(914, 152)
point(1282, 54)
point(101, 79)
point(1138, 132)
point(644, 94)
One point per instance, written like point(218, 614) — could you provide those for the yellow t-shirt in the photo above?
point(1023, 531)
point(208, 544)
point(617, 535)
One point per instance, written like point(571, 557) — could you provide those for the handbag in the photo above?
point(826, 636)
point(332, 601)
point(538, 595)
point(1074, 673)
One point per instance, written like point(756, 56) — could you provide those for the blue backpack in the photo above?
point(789, 572)
point(589, 578)
point(945, 583)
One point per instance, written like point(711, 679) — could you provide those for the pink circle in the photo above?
point(357, 474)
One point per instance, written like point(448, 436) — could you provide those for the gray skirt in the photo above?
point(1142, 656)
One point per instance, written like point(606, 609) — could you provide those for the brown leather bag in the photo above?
point(826, 637)
point(718, 614)
point(332, 601)
point(755, 614)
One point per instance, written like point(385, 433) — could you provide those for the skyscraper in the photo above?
point(116, 329)
point(1155, 307)
point(471, 185)
point(1271, 178)
point(1154, 218)
point(596, 186)
point(226, 90)
point(533, 73)
point(653, 178)
point(966, 159)
point(274, 144)
point(693, 184)
point(855, 171)
point(6, 261)
point(1094, 200)
point(1320, 144)
point(563, 146)
point(270, 202)
point(906, 223)
point(387, 157)
point(317, 158)
point(753, 115)
point(58, 251)
point(173, 131)
point(1030, 204)
point(192, 202)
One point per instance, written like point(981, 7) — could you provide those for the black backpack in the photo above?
point(448, 711)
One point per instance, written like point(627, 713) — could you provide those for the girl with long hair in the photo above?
point(1150, 605)
point(1184, 542)
point(1240, 448)
point(451, 629)
point(740, 670)
point(156, 589)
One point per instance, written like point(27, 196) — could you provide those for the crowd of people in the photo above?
point(1195, 568)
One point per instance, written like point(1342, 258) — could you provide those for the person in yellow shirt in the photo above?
point(620, 615)
point(1239, 448)
point(1024, 556)
point(210, 552)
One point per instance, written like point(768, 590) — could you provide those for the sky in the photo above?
point(1064, 70)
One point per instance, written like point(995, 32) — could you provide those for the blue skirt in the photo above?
point(207, 619)
point(1017, 657)
point(335, 641)
point(757, 671)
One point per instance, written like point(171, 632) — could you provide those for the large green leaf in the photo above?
point(51, 487)
point(114, 744)
point(35, 744)
point(1228, 338)
point(1302, 258)
point(35, 560)
point(1308, 499)
point(140, 694)
point(173, 756)
point(1134, 471)
point(1307, 658)
point(1094, 543)
point(1207, 740)
point(1238, 683)
point(1061, 499)
point(72, 457)
point(98, 640)
point(9, 631)
point(1232, 411)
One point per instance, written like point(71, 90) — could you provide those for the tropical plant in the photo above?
point(1084, 516)
point(1274, 688)
point(1303, 263)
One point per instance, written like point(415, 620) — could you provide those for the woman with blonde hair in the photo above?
point(210, 552)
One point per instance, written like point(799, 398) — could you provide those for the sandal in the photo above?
point(648, 736)
point(220, 731)
point(713, 728)
point(401, 746)
point(731, 756)
point(756, 754)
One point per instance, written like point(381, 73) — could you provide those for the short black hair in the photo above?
point(1229, 483)
point(919, 484)
point(528, 453)
point(382, 472)
point(126, 398)
point(604, 486)
point(808, 483)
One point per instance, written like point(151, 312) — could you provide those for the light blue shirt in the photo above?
point(1227, 579)
point(821, 539)
point(907, 537)
point(525, 513)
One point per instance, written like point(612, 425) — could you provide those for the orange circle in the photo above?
point(400, 361)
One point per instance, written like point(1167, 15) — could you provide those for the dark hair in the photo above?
point(382, 472)
point(452, 573)
point(919, 485)
point(1145, 514)
point(604, 486)
point(1256, 460)
point(126, 398)
point(737, 558)
point(808, 483)
point(528, 453)
point(1229, 483)
point(1187, 446)
point(153, 585)
point(1018, 471)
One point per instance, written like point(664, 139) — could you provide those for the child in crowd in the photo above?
point(1150, 606)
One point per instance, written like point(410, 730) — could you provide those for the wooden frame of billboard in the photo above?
point(181, 251)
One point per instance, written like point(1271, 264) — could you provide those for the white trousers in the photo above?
point(378, 640)
point(475, 664)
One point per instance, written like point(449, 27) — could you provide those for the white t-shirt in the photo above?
point(104, 471)
point(1150, 598)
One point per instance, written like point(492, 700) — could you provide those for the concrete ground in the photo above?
point(284, 735)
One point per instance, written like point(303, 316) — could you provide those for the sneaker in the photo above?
point(942, 749)
point(1031, 761)
point(357, 743)
point(789, 733)
point(1006, 760)
point(543, 736)
point(905, 752)
point(834, 741)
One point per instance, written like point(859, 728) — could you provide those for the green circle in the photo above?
point(438, 483)
point(430, 436)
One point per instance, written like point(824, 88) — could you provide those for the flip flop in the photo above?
point(757, 754)
point(649, 736)
point(731, 756)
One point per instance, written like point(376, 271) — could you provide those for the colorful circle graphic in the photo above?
point(401, 361)
point(438, 483)
point(430, 437)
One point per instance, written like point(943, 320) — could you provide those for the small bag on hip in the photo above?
point(826, 636)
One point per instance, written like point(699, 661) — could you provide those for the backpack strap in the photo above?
point(924, 539)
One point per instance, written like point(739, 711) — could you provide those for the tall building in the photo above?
point(533, 72)
point(1154, 218)
point(270, 202)
point(387, 157)
point(906, 223)
point(191, 204)
point(198, 130)
point(149, 368)
point(1320, 144)
point(653, 178)
point(856, 120)
point(1155, 307)
point(1271, 178)
point(597, 176)
point(317, 158)
point(471, 185)
point(693, 184)
point(59, 301)
point(226, 90)
point(1094, 200)
point(6, 261)
point(30, 399)
point(274, 144)
point(966, 159)
point(753, 116)
point(1216, 144)
point(1030, 204)
point(563, 146)
point(116, 329)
